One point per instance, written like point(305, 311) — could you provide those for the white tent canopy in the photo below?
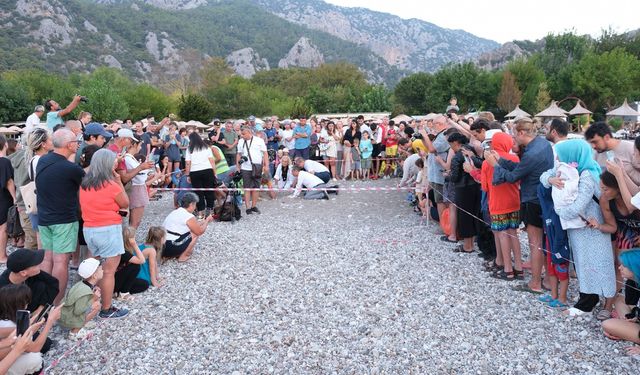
point(517, 112)
point(623, 111)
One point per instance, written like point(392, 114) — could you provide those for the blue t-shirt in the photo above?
point(302, 143)
point(53, 119)
point(366, 148)
point(144, 273)
point(57, 182)
point(271, 145)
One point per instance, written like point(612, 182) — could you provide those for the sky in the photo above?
point(506, 20)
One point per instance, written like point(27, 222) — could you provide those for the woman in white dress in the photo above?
point(330, 150)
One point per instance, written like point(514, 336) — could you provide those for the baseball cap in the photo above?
point(252, 118)
point(94, 128)
point(39, 108)
point(127, 133)
point(22, 259)
point(88, 267)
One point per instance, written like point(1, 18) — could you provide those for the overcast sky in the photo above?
point(505, 20)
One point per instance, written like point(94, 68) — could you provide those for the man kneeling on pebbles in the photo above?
point(309, 180)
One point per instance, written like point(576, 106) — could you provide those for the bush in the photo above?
point(14, 102)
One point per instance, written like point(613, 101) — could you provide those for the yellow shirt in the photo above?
point(418, 145)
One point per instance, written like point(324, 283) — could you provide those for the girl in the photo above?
point(366, 149)
point(284, 173)
point(628, 326)
point(152, 251)
point(127, 281)
point(138, 195)
point(592, 251)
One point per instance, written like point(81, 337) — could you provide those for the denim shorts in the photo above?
point(104, 242)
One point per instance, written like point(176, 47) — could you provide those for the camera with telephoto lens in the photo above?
point(243, 159)
point(84, 99)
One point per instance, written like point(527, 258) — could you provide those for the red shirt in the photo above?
point(99, 207)
point(503, 198)
point(392, 139)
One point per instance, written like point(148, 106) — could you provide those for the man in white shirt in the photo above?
point(315, 168)
point(33, 120)
point(254, 150)
point(309, 181)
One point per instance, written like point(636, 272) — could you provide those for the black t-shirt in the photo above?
point(6, 174)
point(44, 288)
point(57, 184)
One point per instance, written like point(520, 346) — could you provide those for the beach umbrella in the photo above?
point(553, 111)
point(16, 129)
point(624, 111)
point(579, 110)
point(517, 112)
point(400, 118)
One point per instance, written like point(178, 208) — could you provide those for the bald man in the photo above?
point(57, 182)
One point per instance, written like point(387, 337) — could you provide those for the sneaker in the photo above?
point(249, 211)
point(256, 210)
point(113, 313)
point(603, 315)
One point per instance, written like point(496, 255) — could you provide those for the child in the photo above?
point(356, 157)
point(126, 277)
point(82, 302)
point(366, 149)
point(627, 326)
point(391, 150)
point(422, 186)
point(152, 251)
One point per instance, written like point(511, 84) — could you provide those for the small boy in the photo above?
point(82, 302)
point(356, 157)
point(366, 150)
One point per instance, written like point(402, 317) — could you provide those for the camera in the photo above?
point(84, 99)
point(486, 145)
point(417, 135)
point(243, 159)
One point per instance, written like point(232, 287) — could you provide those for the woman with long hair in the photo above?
point(331, 151)
point(102, 197)
point(200, 167)
point(7, 195)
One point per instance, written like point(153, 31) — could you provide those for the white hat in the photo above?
point(88, 267)
point(488, 135)
point(127, 133)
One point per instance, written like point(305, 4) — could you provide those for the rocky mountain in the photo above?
point(160, 40)
point(412, 44)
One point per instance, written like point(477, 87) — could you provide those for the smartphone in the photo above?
point(610, 155)
point(584, 219)
point(23, 318)
point(44, 313)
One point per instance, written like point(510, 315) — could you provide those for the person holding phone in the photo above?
point(82, 302)
point(183, 229)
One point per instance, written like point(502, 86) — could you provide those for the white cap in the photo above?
point(88, 267)
point(127, 133)
point(488, 135)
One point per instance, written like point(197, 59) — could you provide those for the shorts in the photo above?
point(531, 214)
point(138, 196)
point(438, 192)
point(559, 271)
point(507, 221)
point(248, 181)
point(366, 164)
point(60, 238)
point(357, 166)
point(104, 242)
point(391, 151)
point(175, 248)
point(376, 150)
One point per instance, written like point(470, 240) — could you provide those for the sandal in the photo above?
point(519, 274)
point(557, 304)
point(572, 311)
point(526, 288)
point(493, 268)
point(603, 314)
point(508, 276)
point(460, 249)
point(546, 298)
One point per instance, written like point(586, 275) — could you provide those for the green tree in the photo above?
point(605, 80)
point(14, 102)
point(194, 107)
point(510, 95)
point(543, 98)
point(105, 102)
point(411, 92)
point(145, 100)
point(528, 77)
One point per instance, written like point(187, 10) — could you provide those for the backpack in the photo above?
point(14, 228)
point(229, 211)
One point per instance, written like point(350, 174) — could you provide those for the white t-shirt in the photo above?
point(199, 159)
point(256, 147)
point(314, 166)
point(307, 180)
point(32, 122)
point(291, 145)
point(132, 163)
point(365, 128)
point(176, 222)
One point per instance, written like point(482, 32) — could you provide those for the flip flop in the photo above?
point(446, 239)
point(526, 288)
point(460, 249)
point(557, 304)
point(546, 298)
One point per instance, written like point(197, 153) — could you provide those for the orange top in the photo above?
point(99, 207)
point(503, 198)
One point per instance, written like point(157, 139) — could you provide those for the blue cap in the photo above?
point(95, 128)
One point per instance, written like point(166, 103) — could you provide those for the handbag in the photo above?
point(28, 192)
point(14, 228)
point(256, 169)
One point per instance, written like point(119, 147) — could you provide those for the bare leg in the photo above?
point(562, 291)
point(108, 280)
point(622, 330)
point(537, 257)
point(189, 250)
point(553, 285)
point(47, 263)
point(467, 244)
point(61, 272)
point(514, 242)
point(3, 242)
point(135, 216)
point(505, 251)
point(453, 223)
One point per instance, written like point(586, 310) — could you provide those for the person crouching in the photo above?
point(82, 302)
point(311, 181)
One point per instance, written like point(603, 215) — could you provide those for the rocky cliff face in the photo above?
point(165, 4)
point(412, 44)
point(303, 54)
point(246, 62)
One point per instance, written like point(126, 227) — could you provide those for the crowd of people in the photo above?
point(81, 189)
point(576, 199)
